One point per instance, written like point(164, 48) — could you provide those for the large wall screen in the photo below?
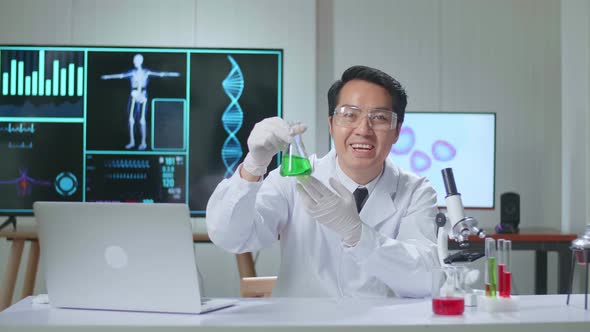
point(122, 124)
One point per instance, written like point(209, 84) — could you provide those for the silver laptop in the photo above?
point(120, 256)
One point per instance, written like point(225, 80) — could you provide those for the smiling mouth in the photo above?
point(362, 147)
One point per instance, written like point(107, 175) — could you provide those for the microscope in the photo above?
point(456, 226)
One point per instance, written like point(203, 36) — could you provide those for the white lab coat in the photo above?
point(395, 254)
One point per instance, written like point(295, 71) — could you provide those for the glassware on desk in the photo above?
point(507, 270)
point(581, 247)
point(295, 161)
point(581, 254)
point(491, 269)
point(501, 266)
point(448, 290)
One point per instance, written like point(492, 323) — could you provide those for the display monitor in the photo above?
point(431, 141)
point(128, 124)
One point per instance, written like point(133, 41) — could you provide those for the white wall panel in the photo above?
point(398, 37)
point(575, 114)
point(35, 22)
point(133, 22)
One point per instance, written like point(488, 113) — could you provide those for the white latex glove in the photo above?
point(268, 137)
point(337, 211)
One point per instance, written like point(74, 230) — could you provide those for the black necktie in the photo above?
point(360, 196)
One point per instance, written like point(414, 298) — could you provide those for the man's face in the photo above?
point(362, 150)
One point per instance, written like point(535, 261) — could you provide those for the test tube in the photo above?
point(507, 275)
point(490, 267)
point(501, 266)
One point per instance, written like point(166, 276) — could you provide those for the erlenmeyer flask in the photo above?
point(294, 161)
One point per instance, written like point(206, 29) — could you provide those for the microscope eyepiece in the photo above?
point(449, 180)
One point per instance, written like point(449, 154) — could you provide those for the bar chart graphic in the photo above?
point(42, 73)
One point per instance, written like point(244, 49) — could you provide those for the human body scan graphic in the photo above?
point(24, 183)
point(138, 98)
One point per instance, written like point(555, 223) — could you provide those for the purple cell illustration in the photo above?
point(443, 150)
point(420, 161)
point(24, 183)
point(405, 142)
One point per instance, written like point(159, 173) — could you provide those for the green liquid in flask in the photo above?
point(295, 166)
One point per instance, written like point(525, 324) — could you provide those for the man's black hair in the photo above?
point(372, 75)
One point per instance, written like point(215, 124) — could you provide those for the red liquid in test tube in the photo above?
point(501, 266)
point(505, 275)
point(501, 279)
point(507, 284)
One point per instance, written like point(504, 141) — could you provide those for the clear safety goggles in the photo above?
point(351, 117)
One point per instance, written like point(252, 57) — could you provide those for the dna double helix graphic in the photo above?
point(232, 118)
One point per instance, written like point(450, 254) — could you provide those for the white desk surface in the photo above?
point(537, 313)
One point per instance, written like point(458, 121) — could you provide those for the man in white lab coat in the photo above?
point(328, 248)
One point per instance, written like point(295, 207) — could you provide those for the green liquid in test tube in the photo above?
point(493, 278)
point(491, 268)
